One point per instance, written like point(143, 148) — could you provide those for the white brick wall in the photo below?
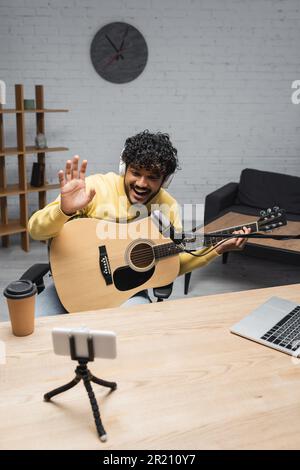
point(218, 80)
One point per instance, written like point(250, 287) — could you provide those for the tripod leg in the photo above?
point(100, 429)
point(104, 383)
point(63, 388)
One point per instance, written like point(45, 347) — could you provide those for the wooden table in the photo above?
point(184, 381)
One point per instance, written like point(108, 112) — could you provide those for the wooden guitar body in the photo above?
point(99, 264)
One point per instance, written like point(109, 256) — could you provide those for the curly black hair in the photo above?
point(154, 152)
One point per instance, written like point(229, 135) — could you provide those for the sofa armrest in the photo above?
point(218, 200)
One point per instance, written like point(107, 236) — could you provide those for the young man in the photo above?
point(148, 162)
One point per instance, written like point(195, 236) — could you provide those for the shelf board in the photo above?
point(11, 190)
point(9, 111)
point(46, 187)
point(30, 149)
point(13, 226)
point(14, 189)
point(44, 110)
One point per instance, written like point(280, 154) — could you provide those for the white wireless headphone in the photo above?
point(122, 171)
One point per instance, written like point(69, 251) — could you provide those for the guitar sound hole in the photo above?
point(141, 255)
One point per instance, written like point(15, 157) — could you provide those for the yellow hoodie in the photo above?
point(111, 203)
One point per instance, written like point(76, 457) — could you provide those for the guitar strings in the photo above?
point(198, 255)
point(146, 256)
point(144, 253)
point(141, 255)
point(137, 260)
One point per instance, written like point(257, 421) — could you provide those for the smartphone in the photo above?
point(104, 342)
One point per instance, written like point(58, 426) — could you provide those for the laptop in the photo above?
point(276, 324)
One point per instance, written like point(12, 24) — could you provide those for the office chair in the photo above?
point(37, 271)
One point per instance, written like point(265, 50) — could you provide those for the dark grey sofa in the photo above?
point(256, 190)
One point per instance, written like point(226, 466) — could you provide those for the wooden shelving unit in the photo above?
point(22, 188)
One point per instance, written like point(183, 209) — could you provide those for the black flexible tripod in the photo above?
point(83, 373)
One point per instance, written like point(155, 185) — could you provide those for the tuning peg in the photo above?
point(263, 213)
point(269, 211)
point(276, 209)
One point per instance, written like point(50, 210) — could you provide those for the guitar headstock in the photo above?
point(271, 218)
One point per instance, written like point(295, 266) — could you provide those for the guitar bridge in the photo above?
point(104, 265)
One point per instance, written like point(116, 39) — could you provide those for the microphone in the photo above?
point(166, 228)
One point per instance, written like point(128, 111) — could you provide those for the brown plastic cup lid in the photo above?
point(20, 289)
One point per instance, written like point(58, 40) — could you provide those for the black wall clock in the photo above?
point(119, 52)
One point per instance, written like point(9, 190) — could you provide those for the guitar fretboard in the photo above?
point(167, 249)
point(215, 239)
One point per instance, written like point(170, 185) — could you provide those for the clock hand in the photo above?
point(115, 48)
point(114, 57)
point(123, 40)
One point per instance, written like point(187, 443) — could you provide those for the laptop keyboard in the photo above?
point(286, 333)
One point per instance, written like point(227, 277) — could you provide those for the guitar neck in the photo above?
point(165, 250)
point(212, 240)
point(171, 249)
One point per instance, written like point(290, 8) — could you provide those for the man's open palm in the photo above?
point(72, 187)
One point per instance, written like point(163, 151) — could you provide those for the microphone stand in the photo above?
point(250, 235)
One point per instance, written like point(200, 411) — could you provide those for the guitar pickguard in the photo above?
point(126, 278)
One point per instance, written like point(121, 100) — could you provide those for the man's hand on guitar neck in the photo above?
point(72, 187)
point(233, 243)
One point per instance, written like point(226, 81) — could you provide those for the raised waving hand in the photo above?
point(73, 191)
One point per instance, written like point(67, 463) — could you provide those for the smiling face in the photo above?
point(141, 185)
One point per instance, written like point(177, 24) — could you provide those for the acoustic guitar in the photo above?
point(99, 264)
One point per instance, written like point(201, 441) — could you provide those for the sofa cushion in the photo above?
point(263, 189)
